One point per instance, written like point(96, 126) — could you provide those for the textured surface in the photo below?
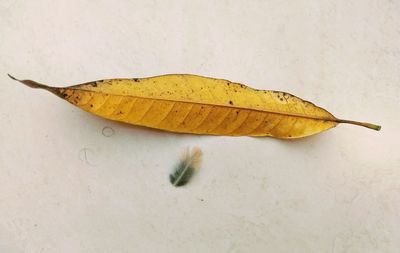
point(71, 182)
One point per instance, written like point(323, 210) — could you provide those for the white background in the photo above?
point(65, 187)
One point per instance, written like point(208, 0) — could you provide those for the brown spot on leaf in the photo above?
point(230, 102)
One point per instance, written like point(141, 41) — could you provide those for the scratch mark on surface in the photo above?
point(83, 155)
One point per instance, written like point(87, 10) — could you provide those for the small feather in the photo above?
point(184, 170)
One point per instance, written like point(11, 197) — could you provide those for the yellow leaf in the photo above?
point(199, 105)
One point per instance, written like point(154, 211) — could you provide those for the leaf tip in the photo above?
point(33, 84)
point(13, 78)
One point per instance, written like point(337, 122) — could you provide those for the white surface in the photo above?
point(64, 187)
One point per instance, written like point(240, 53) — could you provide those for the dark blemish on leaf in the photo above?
point(230, 102)
point(274, 91)
point(91, 105)
point(289, 135)
point(237, 112)
point(280, 98)
point(94, 84)
point(136, 80)
point(107, 131)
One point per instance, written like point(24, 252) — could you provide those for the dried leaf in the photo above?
point(199, 105)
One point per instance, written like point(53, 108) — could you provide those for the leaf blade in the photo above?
point(200, 105)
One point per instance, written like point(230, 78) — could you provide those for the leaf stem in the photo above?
point(364, 124)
